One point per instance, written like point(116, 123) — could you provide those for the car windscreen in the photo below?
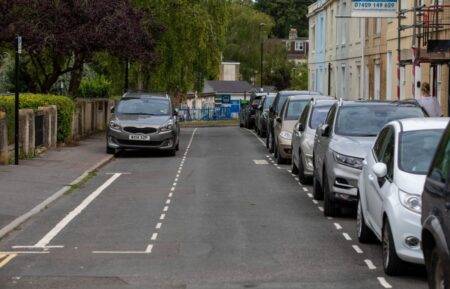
point(416, 150)
point(268, 101)
point(144, 106)
point(295, 108)
point(318, 115)
point(281, 100)
point(368, 120)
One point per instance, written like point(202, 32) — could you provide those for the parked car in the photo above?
point(250, 110)
point(262, 114)
point(436, 216)
point(244, 104)
point(143, 121)
point(342, 143)
point(313, 115)
point(275, 110)
point(390, 188)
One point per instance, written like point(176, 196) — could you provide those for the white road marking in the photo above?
point(166, 208)
point(24, 252)
point(290, 171)
point(174, 184)
point(278, 167)
point(310, 195)
point(267, 156)
point(168, 201)
point(31, 247)
point(154, 236)
point(162, 216)
point(297, 179)
point(75, 212)
point(320, 208)
point(383, 282)
point(158, 226)
point(149, 248)
point(121, 252)
point(170, 195)
point(347, 237)
point(7, 259)
point(315, 202)
point(370, 264)
point(338, 226)
point(357, 249)
point(176, 180)
point(330, 218)
point(172, 189)
point(178, 175)
point(305, 189)
point(260, 162)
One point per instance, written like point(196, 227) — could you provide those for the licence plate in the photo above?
point(139, 137)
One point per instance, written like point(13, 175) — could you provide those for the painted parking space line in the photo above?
point(338, 226)
point(357, 249)
point(347, 236)
point(383, 282)
point(370, 264)
point(5, 259)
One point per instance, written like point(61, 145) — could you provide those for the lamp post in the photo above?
point(261, 25)
point(16, 100)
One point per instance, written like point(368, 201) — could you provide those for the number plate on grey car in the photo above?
point(139, 137)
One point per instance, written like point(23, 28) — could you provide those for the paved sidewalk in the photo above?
point(24, 187)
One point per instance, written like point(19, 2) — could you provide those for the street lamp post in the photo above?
point(261, 25)
point(16, 100)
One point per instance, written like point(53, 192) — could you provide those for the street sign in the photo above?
point(374, 8)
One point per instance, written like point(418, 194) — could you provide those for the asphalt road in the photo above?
point(220, 214)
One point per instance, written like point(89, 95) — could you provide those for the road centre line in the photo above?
point(315, 202)
point(357, 249)
point(75, 212)
point(172, 189)
point(168, 201)
point(174, 184)
point(122, 252)
point(170, 195)
point(347, 237)
point(370, 264)
point(383, 282)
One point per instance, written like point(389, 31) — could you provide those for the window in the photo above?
point(378, 147)
point(377, 26)
point(330, 116)
point(344, 22)
point(298, 45)
point(388, 153)
point(440, 167)
point(303, 117)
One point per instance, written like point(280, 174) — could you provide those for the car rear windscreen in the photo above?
point(144, 106)
point(369, 119)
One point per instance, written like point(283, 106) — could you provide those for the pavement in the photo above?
point(219, 215)
point(34, 181)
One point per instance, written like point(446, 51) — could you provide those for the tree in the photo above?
point(244, 37)
point(287, 14)
point(62, 36)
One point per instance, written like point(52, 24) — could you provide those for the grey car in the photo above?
point(262, 114)
point(143, 121)
point(342, 143)
point(313, 115)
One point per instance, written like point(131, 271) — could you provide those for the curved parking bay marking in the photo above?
point(75, 212)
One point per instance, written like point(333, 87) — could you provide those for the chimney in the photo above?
point(293, 34)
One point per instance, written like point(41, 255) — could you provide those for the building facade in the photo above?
point(297, 47)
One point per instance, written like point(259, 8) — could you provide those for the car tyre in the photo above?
point(436, 270)
point(280, 159)
point(177, 148)
point(271, 143)
point(330, 209)
point(317, 189)
point(365, 234)
point(301, 171)
point(294, 168)
point(172, 152)
point(110, 150)
point(392, 264)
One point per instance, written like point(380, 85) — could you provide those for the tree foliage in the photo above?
point(287, 14)
point(61, 36)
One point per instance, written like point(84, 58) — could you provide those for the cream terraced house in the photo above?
point(357, 57)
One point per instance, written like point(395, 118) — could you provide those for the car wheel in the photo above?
point(392, 264)
point(330, 208)
point(271, 143)
point(172, 152)
point(436, 271)
point(294, 168)
point(317, 189)
point(267, 141)
point(110, 150)
point(280, 159)
point(365, 234)
point(301, 171)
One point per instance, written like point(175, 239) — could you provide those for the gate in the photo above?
point(39, 130)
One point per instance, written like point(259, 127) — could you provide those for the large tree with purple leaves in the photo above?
point(59, 37)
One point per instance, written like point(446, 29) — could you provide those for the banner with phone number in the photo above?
point(374, 8)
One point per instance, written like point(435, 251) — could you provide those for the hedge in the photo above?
point(65, 105)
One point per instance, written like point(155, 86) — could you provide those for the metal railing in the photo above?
point(216, 113)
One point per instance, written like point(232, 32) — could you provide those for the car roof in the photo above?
point(308, 96)
point(297, 92)
point(343, 102)
point(422, 123)
point(324, 101)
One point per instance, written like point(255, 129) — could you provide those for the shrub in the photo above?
point(64, 104)
point(96, 87)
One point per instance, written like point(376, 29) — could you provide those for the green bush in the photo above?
point(65, 106)
point(96, 87)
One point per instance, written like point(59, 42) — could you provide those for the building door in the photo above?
point(376, 82)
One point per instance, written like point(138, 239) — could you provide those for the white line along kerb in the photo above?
point(75, 212)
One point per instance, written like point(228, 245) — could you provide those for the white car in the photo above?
point(390, 188)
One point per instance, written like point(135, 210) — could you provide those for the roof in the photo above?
point(132, 94)
point(297, 92)
point(423, 123)
point(379, 102)
point(309, 97)
point(226, 86)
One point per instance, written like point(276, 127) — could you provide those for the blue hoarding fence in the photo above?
point(216, 113)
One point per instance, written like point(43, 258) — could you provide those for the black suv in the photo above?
point(436, 216)
point(249, 112)
point(275, 110)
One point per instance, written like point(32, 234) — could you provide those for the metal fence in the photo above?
point(216, 113)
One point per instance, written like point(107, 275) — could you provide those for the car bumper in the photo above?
point(345, 182)
point(308, 164)
point(406, 226)
point(285, 148)
point(161, 141)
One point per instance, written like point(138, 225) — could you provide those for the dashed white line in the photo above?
point(176, 180)
point(310, 195)
point(297, 179)
point(383, 282)
point(330, 218)
point(166, 208)
point(305, 189)
point(347, 237)
point(315, 202)
point(370, 264)
point(357, 249)
point(154, 236)
point(149, 248)
point(168, 201)
point(170, 195)
point(172, 189)
point(174, 184)
point(162, 217)
point(158, 226)
point(338, 226)
point(320, 208)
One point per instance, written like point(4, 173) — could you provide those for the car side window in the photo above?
point(440, 167)
point(378, 147)
point(330, 116)
point(304, 116)
point(284, 109)
point(388, 154)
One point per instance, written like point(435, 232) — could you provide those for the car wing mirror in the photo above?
point(380, 171)
point(324, 130)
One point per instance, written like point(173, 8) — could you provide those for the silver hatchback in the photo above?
point(143, 121)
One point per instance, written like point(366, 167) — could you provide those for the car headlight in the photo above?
point(114, 126)
point(348, 160)
point(168, 126)
point(411, 202)
point(286, 135)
